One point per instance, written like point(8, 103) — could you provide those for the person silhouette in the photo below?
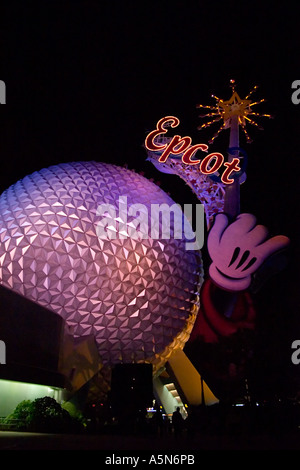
point(159, 422)
point(177, 422)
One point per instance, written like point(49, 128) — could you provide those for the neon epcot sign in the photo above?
point(183, 146)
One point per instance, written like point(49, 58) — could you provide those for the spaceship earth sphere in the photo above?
point(137, 296)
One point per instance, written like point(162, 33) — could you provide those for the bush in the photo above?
point(44, 415)
point(20, 415)
point(47, 415)
point(74, 412)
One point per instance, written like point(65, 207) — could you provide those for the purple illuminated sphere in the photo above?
point(137, 297)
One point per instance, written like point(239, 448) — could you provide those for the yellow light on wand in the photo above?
point(233, 114)
point(235, 106)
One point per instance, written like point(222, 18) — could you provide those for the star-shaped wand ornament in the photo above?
point(235, 106)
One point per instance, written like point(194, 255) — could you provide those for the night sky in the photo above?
point(87, 80)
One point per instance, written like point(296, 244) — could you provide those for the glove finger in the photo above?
point(273, 244)
point(237, 230)
point(244, 223)
point(258, 235)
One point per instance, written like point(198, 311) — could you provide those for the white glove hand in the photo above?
point(238, 249)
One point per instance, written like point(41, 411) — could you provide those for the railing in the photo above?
point(11, 424)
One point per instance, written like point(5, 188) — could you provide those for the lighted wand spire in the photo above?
point(233, 114)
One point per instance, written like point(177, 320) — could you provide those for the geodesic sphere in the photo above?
point(138, 297)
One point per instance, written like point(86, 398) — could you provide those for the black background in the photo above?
point(87, 80)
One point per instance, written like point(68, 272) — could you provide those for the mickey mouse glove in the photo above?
point(238, 249)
